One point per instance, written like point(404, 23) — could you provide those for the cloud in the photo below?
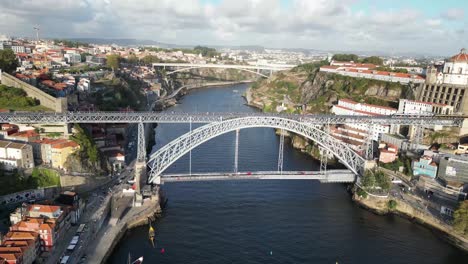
point(454, 14)
point(319, 24)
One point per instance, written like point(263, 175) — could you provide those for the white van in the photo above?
point(64, 260)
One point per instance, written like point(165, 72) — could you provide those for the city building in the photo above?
point(454, 168)
point(74, 203)
point(16, 155)
point(425, 166)
point(30, 249)
point(53, 152)
point(388, 154)
point(361, 72)
point(448, 84)
point(7, 130)
point(46, 230)
point(411, 107)
point(24, 136)
point(350, 107)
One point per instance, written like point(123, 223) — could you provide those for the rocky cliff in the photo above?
point(306, 89)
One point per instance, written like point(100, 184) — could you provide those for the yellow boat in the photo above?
point(151, 234)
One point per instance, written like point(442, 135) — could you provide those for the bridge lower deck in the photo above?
point(329, 176)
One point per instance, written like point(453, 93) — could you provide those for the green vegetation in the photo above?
point(16, 99)
point(375, 179)
point(84, 55)
point(360, 192)
point(16, 181)
point(113, 61)
point(204, 51)
point(460, 219)
point(392, 204)
point(8, 61)
point(70, 43)
point(373, 59)
point(394, 166)
point(120, 94)
point(83, 69)
point(353, 57)
point(88, 149)
point(381, 68)
point(346, 57)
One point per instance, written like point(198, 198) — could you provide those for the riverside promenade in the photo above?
point(109, 235)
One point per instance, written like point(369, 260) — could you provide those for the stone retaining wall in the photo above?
point(59, 105)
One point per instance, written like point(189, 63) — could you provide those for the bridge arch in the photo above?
point(200, 67)
point(164, 157)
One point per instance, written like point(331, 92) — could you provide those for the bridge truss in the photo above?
point(164, 157)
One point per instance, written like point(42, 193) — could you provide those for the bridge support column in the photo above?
point(418, 135)
point(140, 164)
point(281, 151)
point(369, 145)
point(236, 152)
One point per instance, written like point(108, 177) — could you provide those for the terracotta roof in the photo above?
point(43, 208)
point(63, 145)
point(460, 57)
point(26, 133)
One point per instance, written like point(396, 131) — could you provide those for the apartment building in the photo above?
point(16, 155)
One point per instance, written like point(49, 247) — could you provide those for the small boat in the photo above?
point(138, 261)
point(151, 233)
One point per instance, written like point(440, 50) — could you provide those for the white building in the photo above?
point(350, 107)
point(18, 48)
point(16, 155)
point(410, 107)
point(456, 69)
point(83, 85)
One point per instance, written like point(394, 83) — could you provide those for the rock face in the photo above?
point(315, 92)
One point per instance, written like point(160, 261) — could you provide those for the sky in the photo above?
point(437, 27)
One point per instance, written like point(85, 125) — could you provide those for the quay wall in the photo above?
point(59, 105)
point(403, 209)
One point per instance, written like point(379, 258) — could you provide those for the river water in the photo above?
point(268, 221)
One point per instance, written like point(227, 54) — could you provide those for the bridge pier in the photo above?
point(281, 151)
point(236, 152)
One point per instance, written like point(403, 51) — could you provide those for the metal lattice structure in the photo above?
point(156, 117)
point(281, 151)
point(164, 157)
point(141, 150)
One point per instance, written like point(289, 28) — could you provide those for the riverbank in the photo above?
point(379, 205)
point(110, 236)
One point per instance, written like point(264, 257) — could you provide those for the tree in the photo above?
point(132, 59)
point(345, 57)
point(460, 221)
point(382, 180)
point(8, 61)
point(83, 56)
point(392, 204)
point(368, 180)
point(113, 61)
point(374, 60)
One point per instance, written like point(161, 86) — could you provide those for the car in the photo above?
point(249, 173)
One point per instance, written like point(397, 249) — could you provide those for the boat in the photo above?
point(137, 261)
point(151, 233)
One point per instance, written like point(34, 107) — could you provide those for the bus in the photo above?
point(81, 228)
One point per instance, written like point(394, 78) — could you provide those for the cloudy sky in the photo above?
point(424, 26)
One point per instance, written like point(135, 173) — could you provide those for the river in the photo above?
point(268, 221)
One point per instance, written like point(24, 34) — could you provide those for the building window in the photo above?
point(460, 71)
point(448, 69)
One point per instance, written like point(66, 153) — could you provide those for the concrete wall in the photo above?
point(59, 105)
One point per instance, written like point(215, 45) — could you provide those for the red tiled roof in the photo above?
point(43, 208)
point(460, 57)
point(66, 144)
point(27, 133)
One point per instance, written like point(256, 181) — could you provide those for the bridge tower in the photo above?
point(236, 153)
point(140, 164)
point(281, 152)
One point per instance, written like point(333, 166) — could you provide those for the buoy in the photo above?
point(163, 250)
point(271, 253)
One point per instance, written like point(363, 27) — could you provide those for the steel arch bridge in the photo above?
point(248, 68)
point(164, 157)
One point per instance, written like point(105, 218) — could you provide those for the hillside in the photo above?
point(314, 91)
